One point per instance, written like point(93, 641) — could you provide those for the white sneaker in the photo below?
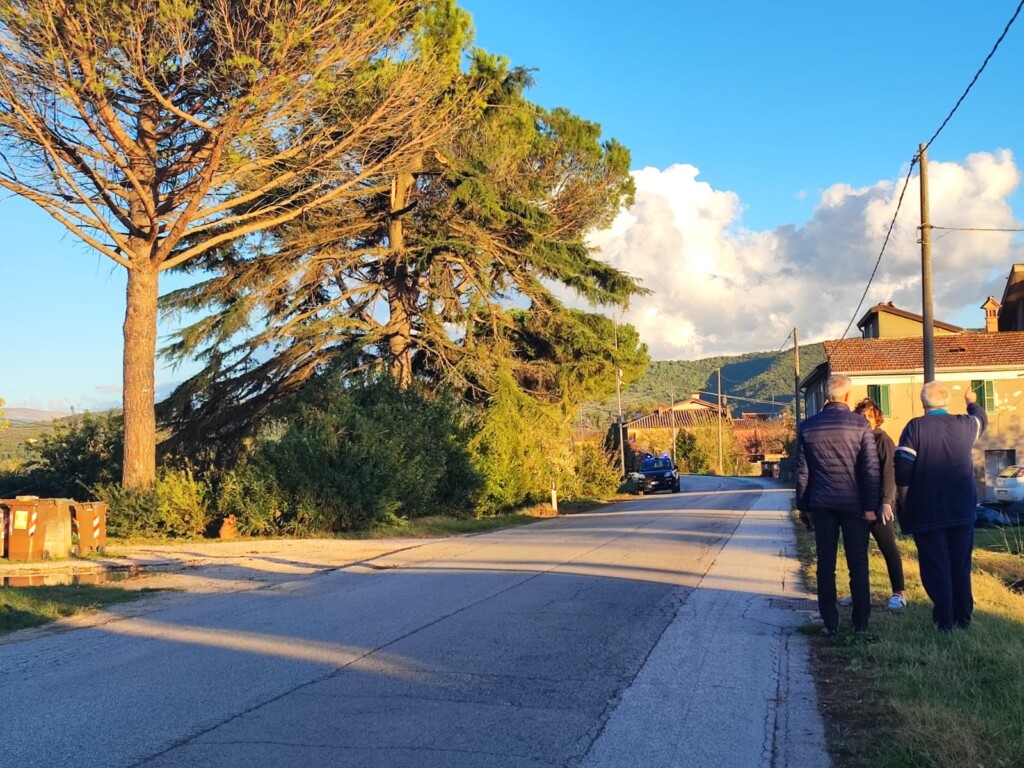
point(848, 600)
point(897, 603)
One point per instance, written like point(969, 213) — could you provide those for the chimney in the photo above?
point(991, 307)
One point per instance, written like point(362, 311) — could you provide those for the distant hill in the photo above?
point(760, 376)
point(32, 415)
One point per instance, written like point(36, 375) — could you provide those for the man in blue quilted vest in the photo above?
point(837, 489)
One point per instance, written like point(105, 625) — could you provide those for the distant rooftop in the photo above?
point(957, 350)
point(890, 309)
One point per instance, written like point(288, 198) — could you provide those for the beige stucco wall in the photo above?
point(894, 327)
point(1006, 419)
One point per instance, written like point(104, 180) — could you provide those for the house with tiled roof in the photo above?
point(889, 368)
point(661, 427)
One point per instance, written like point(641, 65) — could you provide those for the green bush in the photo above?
point(252, 494)
point(522, 445)
point(595, 474)
point(177, 507)
point(352, 457)
point(130, 513)
point(182, 504)
point(80, 453)
point(697, 452)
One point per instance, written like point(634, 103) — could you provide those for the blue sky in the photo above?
point(771, 135)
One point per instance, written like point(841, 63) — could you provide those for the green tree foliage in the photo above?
point(697, 452)
point(370, 452)
point(3, 421)
point(765, 376)
point(520, 448)
point(450, 282)
point(160, 131)
point(595, 474)
point(177, 506)
point(79, 453)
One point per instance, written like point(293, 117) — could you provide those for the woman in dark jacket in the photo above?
point(884, 528)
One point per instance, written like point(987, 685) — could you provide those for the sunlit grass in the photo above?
point(24, 607)
point(918, 697)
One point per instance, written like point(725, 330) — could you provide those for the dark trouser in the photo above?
point(885, 537)
point(827, 524)
point(945, 559)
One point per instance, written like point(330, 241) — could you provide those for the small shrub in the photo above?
point(177, 507)
point(183, 503)
point(130, 514)
point(253, 496)
point(595, 474)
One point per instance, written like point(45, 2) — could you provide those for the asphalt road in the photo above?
point(507, 649)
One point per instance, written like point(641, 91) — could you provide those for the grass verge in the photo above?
point(427, 527)
point(24, 607)
point(911, 697)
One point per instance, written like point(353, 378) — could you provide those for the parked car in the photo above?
point(1010, 484)
point(987, 517)
point(658, 474)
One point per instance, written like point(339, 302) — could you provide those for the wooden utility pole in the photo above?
point(672, 416)
point(618, 397)
point(796, 377)
point(721, 470)
point(927, 312)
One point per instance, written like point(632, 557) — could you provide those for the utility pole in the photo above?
point(927, 312)
point(672, 416)
point(618, 397)
point(622, 442)
point(721, 470)
point(796, 373)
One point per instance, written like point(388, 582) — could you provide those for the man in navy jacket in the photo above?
point(935, 481)
point(837, 485)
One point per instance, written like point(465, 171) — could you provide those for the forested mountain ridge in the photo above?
point(761, 376)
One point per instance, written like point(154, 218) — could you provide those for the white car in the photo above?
point(1010, 484)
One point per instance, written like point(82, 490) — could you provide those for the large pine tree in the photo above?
point(160, 132)
point(447, 271)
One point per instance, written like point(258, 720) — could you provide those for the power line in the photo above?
point(788, 337)
point(980, 229)
point(977, 74)
point(913, 162)
point(888, 234)
point(728, 396)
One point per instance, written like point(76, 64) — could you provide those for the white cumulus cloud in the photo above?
point(719, 288)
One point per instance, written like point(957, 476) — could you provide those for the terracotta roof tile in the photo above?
point(681, 420)
point(952, 351)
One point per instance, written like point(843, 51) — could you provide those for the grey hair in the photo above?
point(838, 387)
point(935, 394)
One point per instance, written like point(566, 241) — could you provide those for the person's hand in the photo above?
point(805, 518)
point(887, 514)
point(971, 396)
point(870, 516)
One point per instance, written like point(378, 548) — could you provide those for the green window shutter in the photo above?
point(986, 392)
point(879, 394)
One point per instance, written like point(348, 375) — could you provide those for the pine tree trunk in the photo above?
point(399, 328)
point(400, 340)
point(140, 319)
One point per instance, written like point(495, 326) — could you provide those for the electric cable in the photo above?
point(913, 162)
